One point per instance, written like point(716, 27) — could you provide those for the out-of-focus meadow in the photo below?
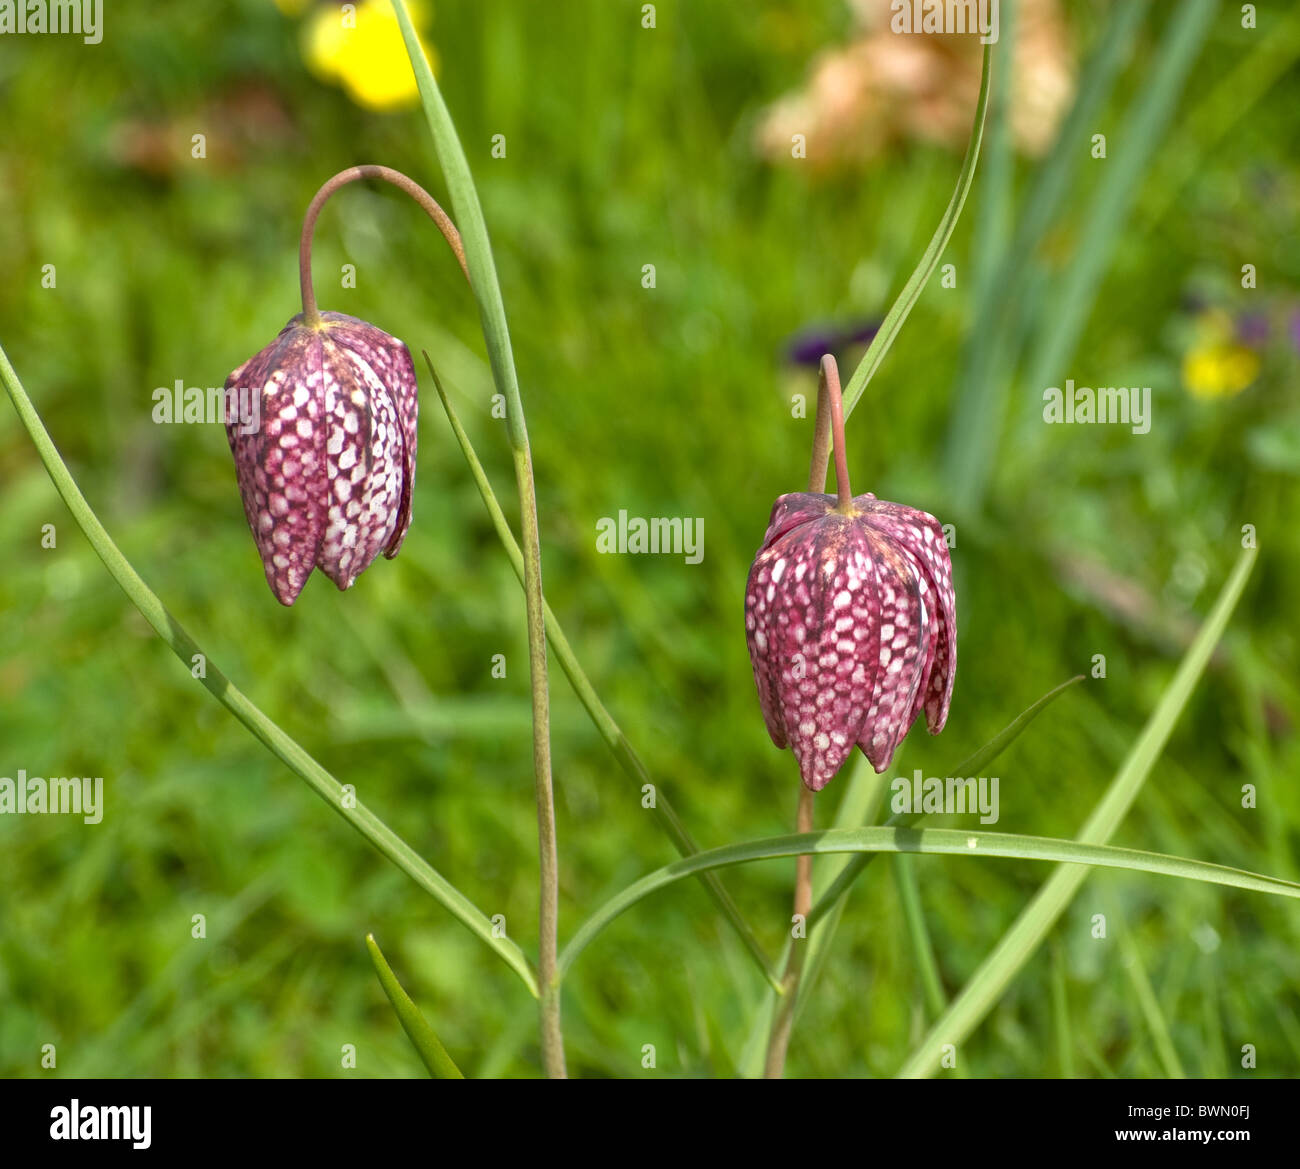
point(624, 147)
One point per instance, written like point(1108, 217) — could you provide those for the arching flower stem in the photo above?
point(828, 393)
point(310, 313)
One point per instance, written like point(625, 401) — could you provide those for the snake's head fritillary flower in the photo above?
point(850, 618)
point(326, 477)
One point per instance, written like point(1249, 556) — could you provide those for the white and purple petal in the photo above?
point(849, 620)
point(326, 478)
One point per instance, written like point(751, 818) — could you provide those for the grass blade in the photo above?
point(441, 1066)
point(1101, 228)
point(978, 407)
point(865, 790)
point(609, 730)
point(933, 841)
point(1149, 1003)
point(224, 691)
point(911, 293)
point(1061, 1015)
point(927, 966)
point(1026, 934)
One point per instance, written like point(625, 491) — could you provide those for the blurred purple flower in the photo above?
point(1253, 329)
point(807, 346)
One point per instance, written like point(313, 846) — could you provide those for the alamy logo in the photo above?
point(952, 796)
point(658, 536)
point(105, 1122)
point(238, 404)
point(30, 795)
point(78, 18)
point(950, 17)
point(1126, 405)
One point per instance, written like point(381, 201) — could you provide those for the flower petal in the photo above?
point(280, 466)
point(391, 363)
point(921, 535)
point(760, 630)
point(901, 628)
point(365, 456)
point(825, 641)
point(794, 509)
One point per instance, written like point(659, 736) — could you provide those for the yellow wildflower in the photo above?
point(1217, 365)
point(360, 47)
point(1219, 369)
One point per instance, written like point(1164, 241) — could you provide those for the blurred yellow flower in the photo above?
point(1217, 365)
point(1219, 369)
point(359, 46)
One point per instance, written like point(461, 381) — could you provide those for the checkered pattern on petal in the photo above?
point(921, 535)
point(280, 466)
point(389, 361)
point(849, 624)
point(326, 478)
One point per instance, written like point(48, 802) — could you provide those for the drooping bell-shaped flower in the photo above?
point(326, 458)
point(850, 619)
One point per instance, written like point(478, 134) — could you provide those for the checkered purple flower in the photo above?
point(326, 478)
point(850, 618)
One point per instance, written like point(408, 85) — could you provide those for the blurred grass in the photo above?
point(625, 147)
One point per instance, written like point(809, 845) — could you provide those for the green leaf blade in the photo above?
point(1073, 854)
point(987, 984)
point(423, 1038)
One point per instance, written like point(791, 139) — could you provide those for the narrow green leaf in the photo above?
point(969, 766)
point(1026, 934)
point(976, 762)
point(1068, 314)
point(838, 874)
point(281, 745)
point(941, 841)
point(1061, 1013)
point(911, 293)
point(610, 731)
point(468, 215)
point(918, 935)
point(422, 1036)
point(978, 410)
point(1131, 959)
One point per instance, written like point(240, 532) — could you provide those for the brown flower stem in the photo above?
point(830, 378)
point(310, 313)
point(779, 1038)
point(828, 430)
point(821, 448)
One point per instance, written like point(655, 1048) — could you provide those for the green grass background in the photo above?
point(625, 147)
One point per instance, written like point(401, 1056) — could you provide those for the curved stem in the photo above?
point(830, 379)
point(310, 313)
